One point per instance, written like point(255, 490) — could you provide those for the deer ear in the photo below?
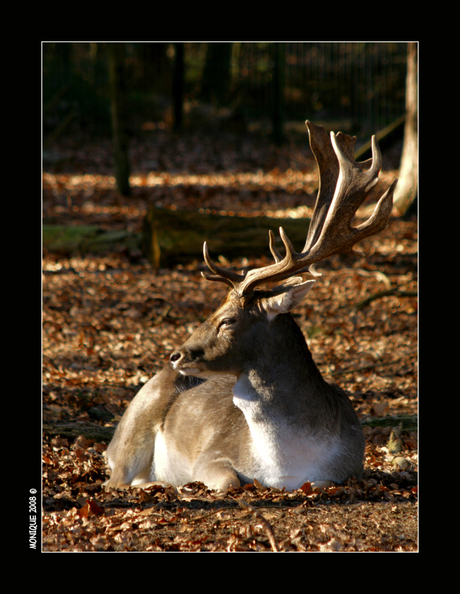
point(287, 297)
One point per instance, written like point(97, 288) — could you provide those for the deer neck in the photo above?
point(281, 379)
point(282, 399)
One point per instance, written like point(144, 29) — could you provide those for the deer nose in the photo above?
point(174, 358)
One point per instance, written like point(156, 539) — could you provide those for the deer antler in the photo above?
point(344, 185)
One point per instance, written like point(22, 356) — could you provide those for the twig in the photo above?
point(268, 529)
point(160, 318)
point(207, 515)
point(376, 273)
point(364, 368)
point(388, 292)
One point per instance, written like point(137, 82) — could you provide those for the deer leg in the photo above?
point(130, 465)
point(218, 475)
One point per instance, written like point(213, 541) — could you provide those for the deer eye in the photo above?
point(226, 322)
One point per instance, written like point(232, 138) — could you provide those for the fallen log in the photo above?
point(85, 239)
point(175, 236)
point(73, 430)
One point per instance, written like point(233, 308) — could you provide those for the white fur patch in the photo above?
point(169, 465)
point(284, 457)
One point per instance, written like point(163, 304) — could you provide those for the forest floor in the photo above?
point(110, 321)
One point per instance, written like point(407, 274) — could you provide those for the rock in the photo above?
point(401, 463)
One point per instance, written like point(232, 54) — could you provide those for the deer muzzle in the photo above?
point(182, 361)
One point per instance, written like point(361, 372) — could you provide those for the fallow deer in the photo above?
point(242, 398)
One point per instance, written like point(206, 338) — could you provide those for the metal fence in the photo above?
point(359, 86)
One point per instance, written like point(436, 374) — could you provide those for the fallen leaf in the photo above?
point(381, 407)
point(91, 507)
point(307, 488)
point(333, 545)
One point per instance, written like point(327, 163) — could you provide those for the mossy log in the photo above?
point(85, 239)
point(172, 236)
point(407, 422)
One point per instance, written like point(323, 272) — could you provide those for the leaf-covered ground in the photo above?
point(110, 322)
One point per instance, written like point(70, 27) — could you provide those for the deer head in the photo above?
point(224, 343)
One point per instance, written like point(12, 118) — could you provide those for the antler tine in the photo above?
point(273, 249)
point(233, 279)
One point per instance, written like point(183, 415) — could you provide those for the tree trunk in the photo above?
point(178, 87)
point(406, 189)
point(278, 93)
point(116, 52)
point(217, 73)
point(173, 236)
